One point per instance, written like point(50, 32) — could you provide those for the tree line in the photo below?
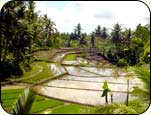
point(23, 30)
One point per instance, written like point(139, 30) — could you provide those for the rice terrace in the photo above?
point(75, 57)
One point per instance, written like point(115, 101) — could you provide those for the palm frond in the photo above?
point(141, 93)
point(144, 75)
point(24, 102)
point(115, 108)
point(147, 48)
point(138, 105)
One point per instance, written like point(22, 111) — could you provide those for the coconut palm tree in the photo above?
point(30, 18)
point(49, 29)
point(1, 30)
point(116, 35)
point(92, 40)
point(104, 33)
point(98, 31)
point(78, 30)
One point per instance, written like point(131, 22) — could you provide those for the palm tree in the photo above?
point(104, 33)
point(1, 30)
point(116, 35)
point(98, 31)
point(29, 17)
point(11, 14)
point(9, 19)
point(126, 38)
point(78, 30)
point(82, 40)
point(49, 29)
point(92, 40)
point(24, 102)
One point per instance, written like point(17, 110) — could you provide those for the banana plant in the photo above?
point(105, 91)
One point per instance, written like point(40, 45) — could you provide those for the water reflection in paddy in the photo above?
point(56, 69)
point(87, 85)
point(84, 84)
point(78, 72)
point(89, 97)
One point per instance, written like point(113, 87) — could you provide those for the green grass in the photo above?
point(44, 104)
point(40, 71)
point(35, 68)
point(41, 104)
point(71, 109)
point(9, 102)
point(8, 109)
point(39, 98)
point(70, 57)
point(7, 91)
point(45, 55)
point(44, 74)
point(9, 97)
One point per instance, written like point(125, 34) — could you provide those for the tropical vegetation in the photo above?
point(28, 42)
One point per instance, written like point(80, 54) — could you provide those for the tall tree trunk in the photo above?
point(0, 46)
point(7, 34)
point(5, 51)
point(29, 51)
point(1, 21)
point(49, 40)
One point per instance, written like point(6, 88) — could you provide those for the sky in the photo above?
point(90, 14)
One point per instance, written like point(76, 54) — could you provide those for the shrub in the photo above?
point(83, 55)
point(122, 62)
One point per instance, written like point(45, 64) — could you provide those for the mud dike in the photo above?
point(83, 85)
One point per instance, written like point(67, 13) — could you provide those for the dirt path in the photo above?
point(16, 86)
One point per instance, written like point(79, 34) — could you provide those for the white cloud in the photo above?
point(92, 13)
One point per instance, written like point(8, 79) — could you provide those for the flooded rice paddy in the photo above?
point(84, 84)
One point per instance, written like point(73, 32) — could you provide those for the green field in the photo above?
point(70, 57)
point(71, 109)
point(40, 71)
point(9, 97)
point(41, 104)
